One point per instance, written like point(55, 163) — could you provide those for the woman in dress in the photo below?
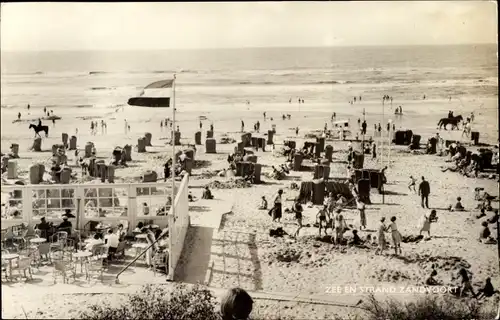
point(382, 245)
point(276, 210)
point(425, 222)
point(396, 236)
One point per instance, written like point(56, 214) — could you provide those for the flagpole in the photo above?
point(173, 149)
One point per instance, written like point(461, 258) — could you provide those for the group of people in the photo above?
point(94, 125)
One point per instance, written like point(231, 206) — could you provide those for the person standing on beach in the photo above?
point(425, 222)
point(212, 127)
point(296, 131)
point(322, 217)
point(359, 98)
point(201, 125)
point(412, 184)
point(290, 101)
point(91, 128)
point(393, 127)
point(362, 215)
point(126, 125)
point(396, 236)
point(53, 122)
point(297, 208)
point(242, 126)
point(29, 107)
point(354, 99)
point(363, 127)
point(44, 110)
point(19, 116)
point(359, 122)
point(161, 125)
point(276, 210)
point(424, 190)
point(382, 244)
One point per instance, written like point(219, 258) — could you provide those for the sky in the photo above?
point(157, 26)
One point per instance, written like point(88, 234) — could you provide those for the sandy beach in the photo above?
point(320, 267)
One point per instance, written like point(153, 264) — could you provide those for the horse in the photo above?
point(454, 121)
point(40, 128)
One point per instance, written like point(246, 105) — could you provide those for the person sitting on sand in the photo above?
point(458, 205)
point(382, 244)
point(431, 281)
point(494, 218)
point(263, 203)
point(425, 222)
point(297, 208)
point(485, 232)
point(481, 214)
point(207, 194)
point(321, 218)
point(487, 290)
point(356, 240)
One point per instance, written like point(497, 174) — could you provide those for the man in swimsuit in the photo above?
point(322, 218)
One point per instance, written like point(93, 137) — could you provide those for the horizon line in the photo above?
point(240, 48)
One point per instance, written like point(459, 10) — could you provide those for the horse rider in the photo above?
point(39, 122)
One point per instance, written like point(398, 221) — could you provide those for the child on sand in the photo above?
point(321, 218)
point(458, 205)
point(431, 281)
point(487, 290)
point(396, 236)
point(297, 208)
point(263, 203)
point(382, 245)
point(340, 228)
point(466, 285)
point(412, 184)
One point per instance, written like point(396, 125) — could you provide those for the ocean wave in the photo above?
point(102, 88)
point(91, 73)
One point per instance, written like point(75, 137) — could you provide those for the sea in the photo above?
point(229, 78)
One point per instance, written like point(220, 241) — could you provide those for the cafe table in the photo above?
point(82, 255)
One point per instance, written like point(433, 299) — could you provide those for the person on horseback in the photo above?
point(39, 122)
